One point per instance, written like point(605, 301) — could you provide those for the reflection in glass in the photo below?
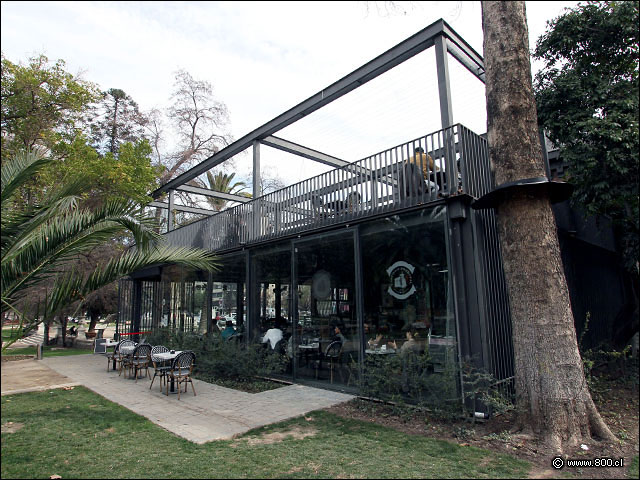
point(326, 342)
point(228, 299)
point(271, 320)
point(407, 292)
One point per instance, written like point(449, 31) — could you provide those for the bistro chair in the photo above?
point(122, 359)
point(334, 355)
point(113, 355)
point(140, 359)
point(160, 369)
point(181, 370)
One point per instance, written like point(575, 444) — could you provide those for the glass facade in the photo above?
point(228, 295)
point(326, 341)
point(336, 320)
point(408, 303)
point(183, 299)
point(271, 320)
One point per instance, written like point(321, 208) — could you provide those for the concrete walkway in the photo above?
point(215, 413)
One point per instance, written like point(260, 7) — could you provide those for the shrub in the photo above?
point(217, 358)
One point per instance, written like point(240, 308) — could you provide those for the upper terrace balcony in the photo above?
point(391, 100)
point(378, 184)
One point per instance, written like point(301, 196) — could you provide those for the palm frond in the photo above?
point(41, 240)
point(19, 170)
point(71, 286)
point(35, 257)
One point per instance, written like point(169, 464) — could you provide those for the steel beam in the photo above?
point(444, 87)
point(183, 208)
point(464, 53)
point(406, 49)
point(171, 220)
point(477, 69)
point(290, 147)
point(213, 193)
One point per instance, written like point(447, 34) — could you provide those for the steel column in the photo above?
point(170, 213)
point(444, 86)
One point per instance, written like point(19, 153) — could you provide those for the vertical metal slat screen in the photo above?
point(477, 181)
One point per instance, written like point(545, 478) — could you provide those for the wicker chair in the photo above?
point(121, 359)
point(111, 356)
point(140, 359)
point(333, 355)
point(160, 369)
point(180, 372)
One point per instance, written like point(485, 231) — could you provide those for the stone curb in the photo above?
point(40, 389)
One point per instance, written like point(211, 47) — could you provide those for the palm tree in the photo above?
point(221, 182)
point(39, 242)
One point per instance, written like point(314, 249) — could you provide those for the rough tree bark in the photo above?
point(553, 399)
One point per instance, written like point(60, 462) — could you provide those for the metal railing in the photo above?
point(454, 161)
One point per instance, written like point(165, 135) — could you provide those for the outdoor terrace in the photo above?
point(375, 185)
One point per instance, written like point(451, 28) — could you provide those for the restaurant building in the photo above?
point(387, 247)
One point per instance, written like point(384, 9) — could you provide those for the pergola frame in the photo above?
point(439, 35)
point(478, 290)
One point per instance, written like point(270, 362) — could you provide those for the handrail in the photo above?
point(376, 184)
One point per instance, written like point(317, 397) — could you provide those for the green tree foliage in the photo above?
point(45, 106)
point(118, 120)
point(41, 241)
point(126, 174)
point(587, 100)
point(222, 182)
point(41, 104)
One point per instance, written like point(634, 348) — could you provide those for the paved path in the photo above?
point(214, 413)
point(21, 376)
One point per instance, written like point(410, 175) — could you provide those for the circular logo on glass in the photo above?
point(401, 280)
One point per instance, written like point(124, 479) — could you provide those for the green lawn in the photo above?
point(633, 469)
point(50, 351)
point(7, 334)
point(78, 434)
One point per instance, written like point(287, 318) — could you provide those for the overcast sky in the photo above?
point(262, 58)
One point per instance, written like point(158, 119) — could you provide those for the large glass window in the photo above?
point(228, 296)
point(270, 317)
point(183, 294)
point(407, 294)
point(326, 343)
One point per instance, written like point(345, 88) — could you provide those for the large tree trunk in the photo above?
point(92, 322)
point(64, 319)
point(552, 395)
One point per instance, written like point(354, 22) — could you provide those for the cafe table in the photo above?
point(380, 351)
point(168, 356)
point(309, 349)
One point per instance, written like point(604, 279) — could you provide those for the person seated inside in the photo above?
point(228, 331)
point(380, 339)
point(273, 336)
point(338, 336)
point(413, 342)
point(73, 331)
point(419, 171)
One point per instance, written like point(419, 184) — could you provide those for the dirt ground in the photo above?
point(619, 408)
point(25, 375)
